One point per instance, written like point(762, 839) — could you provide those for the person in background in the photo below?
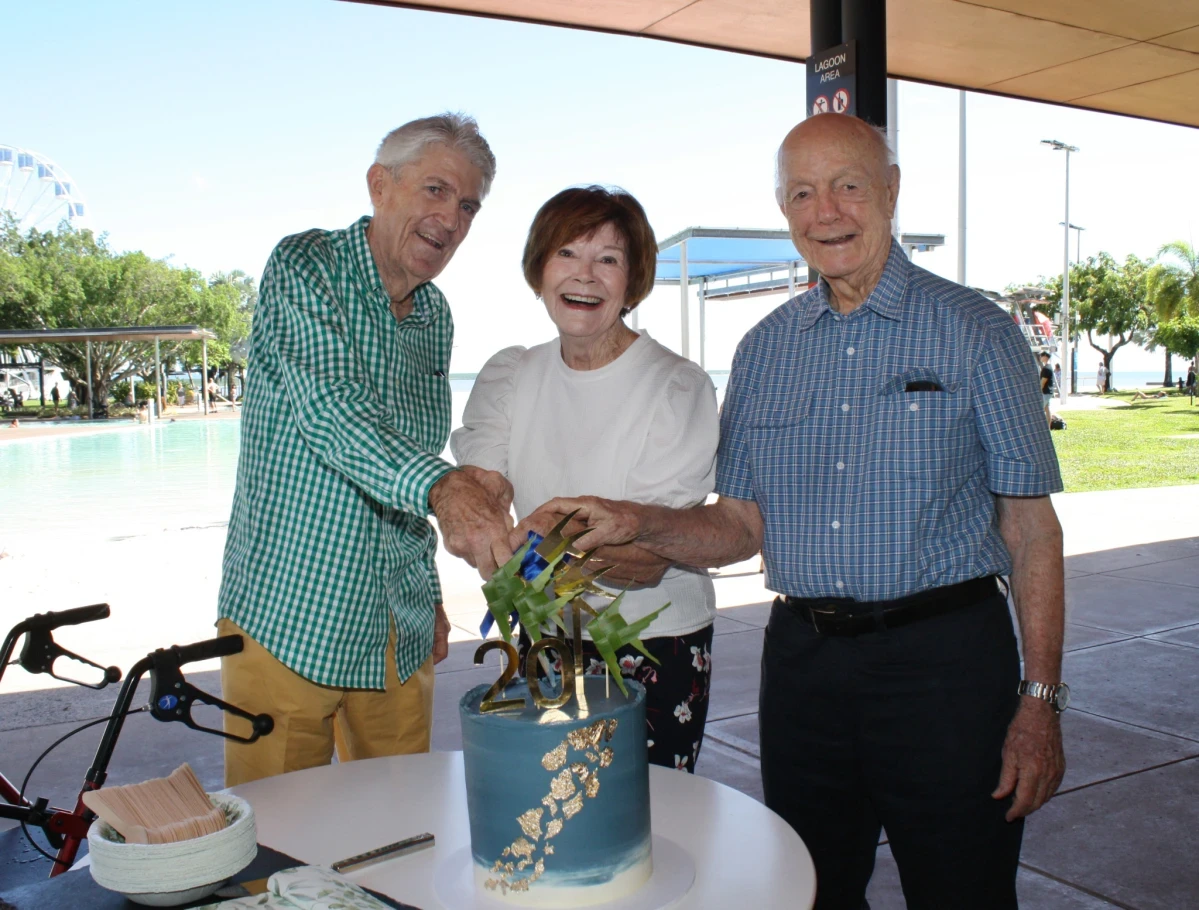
point(329, 572)
point(642, 425)
point(1191, 379)
point(55, 395)
point(1101, 378)
point(1046, 387)
point(1057, 378)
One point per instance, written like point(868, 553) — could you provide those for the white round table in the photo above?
point(745, 855)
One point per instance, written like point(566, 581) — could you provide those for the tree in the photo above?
point(1173, 285)
point(71, 279)
point(1109, 299)
point(1180, 335)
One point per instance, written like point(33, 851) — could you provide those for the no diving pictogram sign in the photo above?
point(820, 105)
point(841, 101)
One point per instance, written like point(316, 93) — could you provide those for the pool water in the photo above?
point(120, 481)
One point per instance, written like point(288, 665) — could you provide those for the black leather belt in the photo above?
point(845, 616)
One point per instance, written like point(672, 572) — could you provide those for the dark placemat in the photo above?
point(78, 890)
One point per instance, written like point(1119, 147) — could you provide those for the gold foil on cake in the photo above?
point(611, 728)
point(548, 849)
point(591, 787)
point(549, 803)
point(522, 848)
point(554, 760)
point(573, 806)
point(563, 785)
point(605, 757)
point(530, 823)
point(552, 829)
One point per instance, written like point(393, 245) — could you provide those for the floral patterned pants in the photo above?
point(676, 691)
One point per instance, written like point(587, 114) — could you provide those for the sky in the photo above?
point(205, 132)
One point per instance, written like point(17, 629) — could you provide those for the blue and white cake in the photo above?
point(559, 797)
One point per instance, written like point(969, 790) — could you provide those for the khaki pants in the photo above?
point(310, 719)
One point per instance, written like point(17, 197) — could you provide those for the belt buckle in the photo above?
point(815, 612)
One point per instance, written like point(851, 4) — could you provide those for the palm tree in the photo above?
point(1174, 286)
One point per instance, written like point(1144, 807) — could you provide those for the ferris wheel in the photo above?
point(37, 192)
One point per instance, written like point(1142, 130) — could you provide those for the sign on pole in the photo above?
point(832, 81)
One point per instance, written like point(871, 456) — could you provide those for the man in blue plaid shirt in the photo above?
point(883, 444)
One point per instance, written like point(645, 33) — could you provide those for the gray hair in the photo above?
point(879, 139)
point(407, 143)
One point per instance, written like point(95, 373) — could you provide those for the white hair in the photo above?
point(882, 147)
point(405, 144)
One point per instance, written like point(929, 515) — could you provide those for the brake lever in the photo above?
point(172, 698)
point(41, 651)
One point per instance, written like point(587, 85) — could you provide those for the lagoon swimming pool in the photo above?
point(119, 481)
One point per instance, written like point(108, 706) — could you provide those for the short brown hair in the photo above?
point(580, 212)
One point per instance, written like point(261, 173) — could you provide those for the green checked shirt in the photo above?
point(345, 412)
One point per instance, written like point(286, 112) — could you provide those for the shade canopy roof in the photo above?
point(1137, 58)
point(724, 252)
point(127, 333)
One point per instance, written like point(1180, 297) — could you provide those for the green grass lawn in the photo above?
point(1143, 445)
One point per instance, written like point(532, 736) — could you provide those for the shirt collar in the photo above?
point(886, 299)
point(425, 297)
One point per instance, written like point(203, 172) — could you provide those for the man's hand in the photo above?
point(441, 635)
point(1033, 761)
point(471, 506)
point(608, 521)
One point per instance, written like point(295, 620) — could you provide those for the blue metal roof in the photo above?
point(717, 252)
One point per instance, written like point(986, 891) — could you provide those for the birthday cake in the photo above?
point(558, 798)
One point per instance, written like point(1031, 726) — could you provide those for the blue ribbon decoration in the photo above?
point(531, 566)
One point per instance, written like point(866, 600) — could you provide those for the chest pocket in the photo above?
point(921, 429)
point(780, 442)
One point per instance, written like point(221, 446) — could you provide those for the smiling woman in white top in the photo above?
point(607, 411)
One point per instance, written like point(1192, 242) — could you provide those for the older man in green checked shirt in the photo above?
point(329, 569)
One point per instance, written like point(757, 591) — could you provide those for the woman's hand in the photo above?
point(630, 565)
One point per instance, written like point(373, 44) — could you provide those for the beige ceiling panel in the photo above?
point(1139, 19)
point(761, 26)
point(614, 15)
point(1187, 40)
point(1174, 98)
point(973, 46)
point(1101, 73)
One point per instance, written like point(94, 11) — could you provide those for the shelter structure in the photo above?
point(723, 263)
point(155, 333)
point(1139, 59)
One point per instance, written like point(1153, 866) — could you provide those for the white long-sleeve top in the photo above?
point(642, 428)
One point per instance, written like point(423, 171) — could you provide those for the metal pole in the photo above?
point(90, 412)
point(702, 326)
point(790, 280)
point(157, 377)
point(1065, 389)
point(893, 138)
point(41, 380)
point(865, 21)
point(683, 320)
point(204, 377)
point(961, 187)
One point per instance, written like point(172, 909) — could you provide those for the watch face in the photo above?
point(1061, 698)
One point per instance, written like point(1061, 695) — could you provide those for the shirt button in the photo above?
point(845, 407)
point(849, 350)
point(836, 525)
point(840, 585)
point(840, 466)
point(913, 407)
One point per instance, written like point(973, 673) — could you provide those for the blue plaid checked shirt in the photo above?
point(869, 491)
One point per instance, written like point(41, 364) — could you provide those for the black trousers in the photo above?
point(903, 730)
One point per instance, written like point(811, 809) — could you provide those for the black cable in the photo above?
point(54, 745)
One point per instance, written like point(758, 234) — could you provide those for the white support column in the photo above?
point(158, 390)
point(790, 280)
point(1065, 389)
point(961, 187)
point(684, 320)
point(90, 409)
point(204, 377)
point(702, 325)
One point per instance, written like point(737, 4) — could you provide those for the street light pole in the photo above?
point(1065, 357)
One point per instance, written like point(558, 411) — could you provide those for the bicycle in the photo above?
point(171, 700)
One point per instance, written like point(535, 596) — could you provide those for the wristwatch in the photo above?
point(1058, 695)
